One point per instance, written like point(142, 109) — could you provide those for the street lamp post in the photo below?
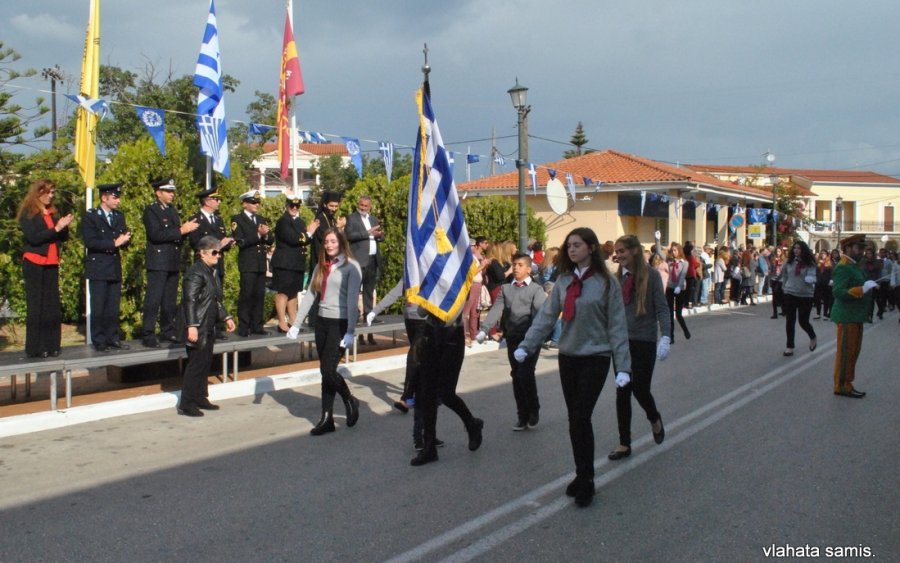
point(839, 215)
point(519, 96)
point(773, 179)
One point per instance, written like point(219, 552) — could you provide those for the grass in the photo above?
point(12, 336)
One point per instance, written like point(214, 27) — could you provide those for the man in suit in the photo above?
point(292, 238)
point(852, 303)
point(364, 234)
point(104, 232)
point(211, 224)
point(203, 311)
point(252, 235)
point(164, 235)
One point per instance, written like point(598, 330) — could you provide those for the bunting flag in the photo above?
point(532, 171)
point(498, 158)
point(472, 158)
point(552, 172)
point(211, 98)
point(755, 216)
point(386, 148)
point(94, 106)
point(643, 201)
point(677, 205)
point(155, 121)
point(290, 84)
point(312, 137)
point(570, 183)
point(355, 154)
point(587, 181)
point(86, 121)
point(260, 129)
point(439, 263)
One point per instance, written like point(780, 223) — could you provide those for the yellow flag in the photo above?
point(86, 124)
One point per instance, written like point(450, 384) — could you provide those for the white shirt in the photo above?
point(373, 246)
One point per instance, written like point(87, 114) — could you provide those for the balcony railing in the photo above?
point(854, 227)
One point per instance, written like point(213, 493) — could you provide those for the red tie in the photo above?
point(573, 292)
point(519, 284)
point(328, 266)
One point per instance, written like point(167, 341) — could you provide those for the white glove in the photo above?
point(810, 279)
point(293, 332)
point(830, 283)
point(481, 337)
point(622, 379)
point(869, 286)
point(520, 354)
point(677, 290)
point(662, 348)
point(370, 317)
point(347, 341)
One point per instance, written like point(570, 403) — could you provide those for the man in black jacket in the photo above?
point(164, 235)
point(364, 235)
point(203, 310)
point(105, 232)
point(252, 235)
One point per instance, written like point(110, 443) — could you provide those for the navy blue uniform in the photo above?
point(103, 270)
point(162, 260)
point(252, 265)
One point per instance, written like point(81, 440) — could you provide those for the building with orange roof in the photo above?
point(265, 173)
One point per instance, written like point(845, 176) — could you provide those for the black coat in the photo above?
point(253, 249)
point(291, 242)
point(358, 237)
point(164, 238)
point(201, 302)
point(102, 260)
point(205, 228)
point(38, 237)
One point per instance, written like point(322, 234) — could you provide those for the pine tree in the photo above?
point(578, 140)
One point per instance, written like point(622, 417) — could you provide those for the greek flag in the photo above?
point(211, 99)
point(93, 105)
point(439, 263)
point(533, 173)
point(386, 148)
point(498, 158)
point(570, 182)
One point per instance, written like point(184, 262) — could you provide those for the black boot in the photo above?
point(352, 406)
point(474, 430)
point(426, 455)
point(325, 425)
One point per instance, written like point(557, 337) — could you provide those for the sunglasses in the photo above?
point(212, 252)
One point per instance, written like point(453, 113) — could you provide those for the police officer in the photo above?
point(164, 235)
point(252, 235)
point(211, 224)
point(292, 238)
point(105, 233)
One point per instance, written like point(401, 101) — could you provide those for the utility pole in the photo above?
point(53, 74)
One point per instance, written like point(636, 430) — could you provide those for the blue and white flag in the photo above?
point(498, 158)
point(552, 172)
point(533, 173)
point(355, 154)
point(211, 99)
point(643, 201)
point(587, 181)
point(312, 136)
point(450, 156)
point(570, 182)
point(260, 129)
point(439, 263)
point(155, 121)
point(472, 158)
point(386, 148)
point(755, 216)
point(96, 106)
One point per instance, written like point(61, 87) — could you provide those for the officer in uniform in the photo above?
point(288, 264)
point(164, 235)
point(252, 235)
point(105, 233)
point(211, 224)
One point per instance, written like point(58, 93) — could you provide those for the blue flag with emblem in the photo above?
point(439, 263)
point(472, 158)
point(211, 98)
point(155, 121)
point(260, 129)
point(355, 154)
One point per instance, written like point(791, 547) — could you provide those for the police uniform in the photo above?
point(162, 261)
point(103, 269)
point(212, 226)
point(289, 259)
point(252, 265)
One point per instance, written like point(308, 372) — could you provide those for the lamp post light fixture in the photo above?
point(773, 180)
point(519, 96)
point(839, 215)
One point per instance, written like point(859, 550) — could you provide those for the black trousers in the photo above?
point(43, 319)
point(444, 348)
point(106, 296)
point(643, 360)
point(414, 331)
point(582, 379)
point(797, 308)
point(676, 305)
point(777, 298)
point(195, 385)
point(329, 333)
point(251, 301)
point(369, 280)
point(523, 381)
point(161, 301)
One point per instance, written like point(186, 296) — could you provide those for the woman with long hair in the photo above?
point(775, 281)
point(798, 278)
point(44, 232)
point(594, 335)
point(747, 272)
point(335, 283)
point(675, 289)
point(822, 297)
point(647, 315)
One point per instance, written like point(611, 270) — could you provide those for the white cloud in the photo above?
point(45, 27)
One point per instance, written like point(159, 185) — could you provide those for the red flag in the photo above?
point(291, 84)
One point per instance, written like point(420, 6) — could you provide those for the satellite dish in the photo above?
point(556, 196)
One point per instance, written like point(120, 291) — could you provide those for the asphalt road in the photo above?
point(759, 455)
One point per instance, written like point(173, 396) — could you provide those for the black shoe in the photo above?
point(418, 444)
point(352, 406)
point(119, 345)
point(474, 431)
point(206, 405)
point(520, 425)
point(171, 339)
point(372, 340)
point(281, 330)
point(324, 426)
point(243, 332)
point(260, 331)
point(533, 420)
point(189, 410)
point(658, 437)
point(572, 487)
point(584, 494)
point(401, 406)
point(424, 456)
point(853, 394)
point(362, 340)
point(150, 342)
point(101, 347)
point(774, 317)
point(616, 455)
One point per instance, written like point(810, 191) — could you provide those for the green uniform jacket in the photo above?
point(851, 305)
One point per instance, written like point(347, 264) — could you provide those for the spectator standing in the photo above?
point(675, 288)
point(288, 263)
point(822, 298)
point(363, 231)
point(777, 261)
point(720, 275)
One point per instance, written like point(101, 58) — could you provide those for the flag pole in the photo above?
point(290, 11)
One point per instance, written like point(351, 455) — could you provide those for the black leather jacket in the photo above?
point(200, 300)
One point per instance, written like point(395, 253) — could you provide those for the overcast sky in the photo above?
point(816, 82)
